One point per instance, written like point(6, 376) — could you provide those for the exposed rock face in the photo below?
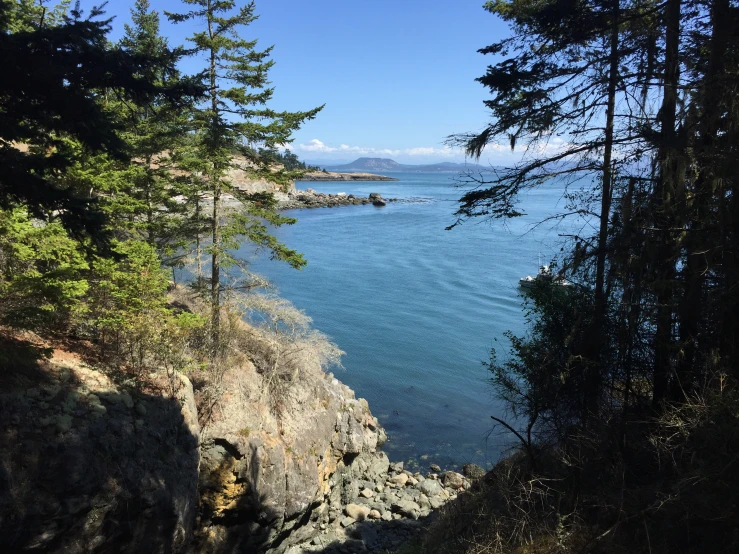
point(262, 474)
point(83, 469)
point(239, 175)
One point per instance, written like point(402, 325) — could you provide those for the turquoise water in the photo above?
point(417, 308)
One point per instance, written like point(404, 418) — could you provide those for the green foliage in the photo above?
point(42, 273)
point(129, 309)
point(28, 15)
point(50, 91)
point(542, 380)
point(288, 159)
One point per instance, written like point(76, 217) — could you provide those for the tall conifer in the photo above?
point(236, 118)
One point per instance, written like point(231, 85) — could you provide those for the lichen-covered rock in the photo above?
point(77, 475)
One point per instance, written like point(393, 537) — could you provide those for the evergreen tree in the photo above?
point(155, 131)
point(236, 117)
point(50, 110)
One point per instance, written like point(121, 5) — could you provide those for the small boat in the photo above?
point(545, 275)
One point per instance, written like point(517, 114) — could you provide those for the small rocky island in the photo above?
point(309, 198)
point(331, 176)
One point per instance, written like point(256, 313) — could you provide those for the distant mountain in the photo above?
point(385, 164)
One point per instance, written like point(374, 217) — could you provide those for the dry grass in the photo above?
point(673, 489)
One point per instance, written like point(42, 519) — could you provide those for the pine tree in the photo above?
point(236, 118)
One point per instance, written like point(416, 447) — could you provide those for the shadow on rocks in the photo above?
point(86, 466)
point(370, 536)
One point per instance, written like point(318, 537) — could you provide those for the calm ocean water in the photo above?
point(417, 308)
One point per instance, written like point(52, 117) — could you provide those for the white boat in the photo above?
point(545, 275)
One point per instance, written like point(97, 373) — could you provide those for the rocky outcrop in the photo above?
point(265, 469)
point(309, 198)
point(90, 466)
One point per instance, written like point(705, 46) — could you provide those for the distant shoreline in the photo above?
point(331, 176)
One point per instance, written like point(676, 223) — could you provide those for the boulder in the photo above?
point(401, 479)
point(430, 487)
point(379, 202)
point(347, 521)
point(452, 480)
point(473, 471)
point(375, 196)
point(406, 508)
point(357, 512)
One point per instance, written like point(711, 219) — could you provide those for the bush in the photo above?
point(281, 343)
point(135, 325)
point(42, 274)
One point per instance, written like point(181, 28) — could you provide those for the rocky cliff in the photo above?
point(264, 474)
point(94, 461)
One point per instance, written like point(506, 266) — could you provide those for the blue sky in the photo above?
point(397, 76)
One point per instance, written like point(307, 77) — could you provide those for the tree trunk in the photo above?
point(594, 370)
point(667, 188)
point(698, 238)
point(215, 275)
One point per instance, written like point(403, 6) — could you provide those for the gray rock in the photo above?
point(379, 202)
point(429, 487)
point(435, 468)
point(436, 502)
point(378, 464)
point(375, 196)
point(473, 471)
point(452, 479)
point(347, 521)
point(406, 508)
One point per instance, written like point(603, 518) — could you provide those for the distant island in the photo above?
point(386, 164)
point(332, 176)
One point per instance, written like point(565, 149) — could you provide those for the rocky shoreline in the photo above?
point(309, 198)
point(95, 463)
point(375, 506)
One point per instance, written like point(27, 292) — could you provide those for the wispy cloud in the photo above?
point(316, 146)
point(493, 153)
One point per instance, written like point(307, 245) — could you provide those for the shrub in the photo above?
point(42, 273)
